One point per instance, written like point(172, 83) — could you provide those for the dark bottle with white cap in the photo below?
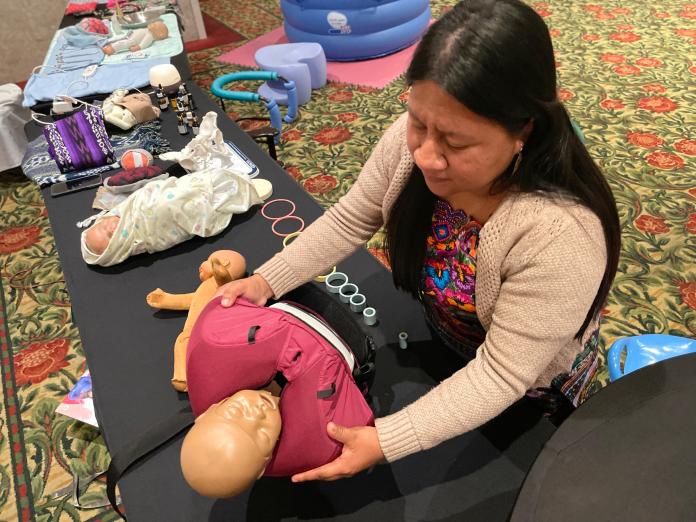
point(181, 124)
point(189, 97)
point(181, 103)
point(162, 99)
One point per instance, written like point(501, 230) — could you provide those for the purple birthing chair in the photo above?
point(303, 63)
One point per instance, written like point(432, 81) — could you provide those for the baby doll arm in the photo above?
point(162, 300)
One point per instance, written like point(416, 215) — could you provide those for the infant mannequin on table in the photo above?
point(167, 212)
point(230, 444)
point(138, 39)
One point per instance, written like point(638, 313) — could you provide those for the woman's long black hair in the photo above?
point(496, 58)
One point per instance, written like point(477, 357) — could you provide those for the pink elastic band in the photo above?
point(292, 210)
point(278, 220)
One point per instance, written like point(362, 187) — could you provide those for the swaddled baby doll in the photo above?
point(167, 212)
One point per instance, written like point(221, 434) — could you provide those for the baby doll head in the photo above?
point(232, 265)
point(97, 236)
point(230, 444)
point(140, 106)
point(158, 29)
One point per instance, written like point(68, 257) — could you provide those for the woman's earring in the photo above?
point(518, 160)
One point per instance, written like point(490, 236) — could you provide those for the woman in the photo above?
point(497, 219)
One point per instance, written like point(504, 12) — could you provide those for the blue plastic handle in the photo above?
point(217, 88)
point(614, 359)
point(292, 101)
point(246, 75)
point(238, 95)
point(274, 112)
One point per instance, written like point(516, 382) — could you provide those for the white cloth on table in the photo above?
point(207, 150)
point(13, 141)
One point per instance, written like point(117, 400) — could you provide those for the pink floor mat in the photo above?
point(377, 72)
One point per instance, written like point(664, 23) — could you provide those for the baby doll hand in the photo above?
point(254, 289)
point(135, 48)
point(154, 298)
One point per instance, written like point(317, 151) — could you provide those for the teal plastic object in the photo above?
point(219, 83)
point(217, 88)
point(643, 350)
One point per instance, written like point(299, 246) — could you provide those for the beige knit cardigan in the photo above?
point(539, 265)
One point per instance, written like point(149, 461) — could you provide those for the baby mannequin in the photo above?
point(139, 38)
point(221, 267)
point(126, 110)
point(98, 237)
point(167, 212)
point(230, 444)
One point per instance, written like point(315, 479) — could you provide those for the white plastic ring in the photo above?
point(335, 281)
point(370, 316)
point(357, 302)
point(403, 340)
point(346, 291)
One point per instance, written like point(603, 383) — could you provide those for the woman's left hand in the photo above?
point(361, 450)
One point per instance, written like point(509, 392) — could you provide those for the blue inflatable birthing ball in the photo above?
point(351, 30)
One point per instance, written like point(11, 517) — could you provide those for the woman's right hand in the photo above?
point(254, 289)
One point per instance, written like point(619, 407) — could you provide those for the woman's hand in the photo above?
point(361, 450)
point(254, 289)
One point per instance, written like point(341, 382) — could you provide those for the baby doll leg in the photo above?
point(200, 298)
point(180, 347)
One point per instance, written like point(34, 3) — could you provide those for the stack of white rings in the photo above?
point(349, 293)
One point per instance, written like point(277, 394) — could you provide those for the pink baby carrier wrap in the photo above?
point(245, 346)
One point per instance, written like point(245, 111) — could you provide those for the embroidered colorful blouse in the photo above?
point(449, 278)
point(448, 284)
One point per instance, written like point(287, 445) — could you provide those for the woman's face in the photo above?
point(457, 150)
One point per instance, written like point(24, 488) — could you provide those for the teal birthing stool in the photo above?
point(218, 89)
point(643, 350)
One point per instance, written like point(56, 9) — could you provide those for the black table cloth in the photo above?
point(628, 453)
point(129, 352)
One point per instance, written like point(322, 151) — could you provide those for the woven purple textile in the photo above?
point(79, 141)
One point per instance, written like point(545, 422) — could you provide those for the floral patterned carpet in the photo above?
point(624, 73)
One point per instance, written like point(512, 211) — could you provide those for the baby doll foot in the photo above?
point(179, 385)
point(156, 297)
